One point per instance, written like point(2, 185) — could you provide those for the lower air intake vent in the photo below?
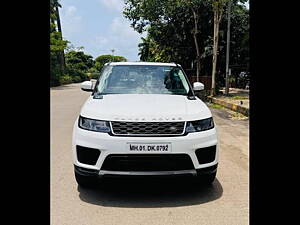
point(206, 155)
point(87, 155)
point(153, 162)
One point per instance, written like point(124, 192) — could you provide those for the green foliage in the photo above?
point(69, 67)
point(75, 72)
point(219, 83)
point(76, 79)
point(239, 42)
point(78, 64)
point(94, 75)
point(93, 70)
point(77, 60)
point(54, 73)
point(65, 79)
point(240, 97)
point(57, 46)
point(170, 27)
point(102, 59)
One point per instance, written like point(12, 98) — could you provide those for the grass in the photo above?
point(236, 115)
point(233, 114)
point(216, 106)
point(240, 98)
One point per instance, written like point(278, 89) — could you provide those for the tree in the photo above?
point(62, 53)
point(79, 60)
point(174, 28)
point(218, 7)
point(195, 32)
point(170, 26)
point(239, 43)
point(102, 59)
point(78, 64)
point(57, 45)
point(194, 6)
point(151, 51)
point(54, 9)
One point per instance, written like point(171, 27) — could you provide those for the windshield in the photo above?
point(142, 79)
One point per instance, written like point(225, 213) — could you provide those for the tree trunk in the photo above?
point(196, 42)
point(227, 48)
point(214, 64)
point(58, 21)
point(62, 54)
point(217, 19)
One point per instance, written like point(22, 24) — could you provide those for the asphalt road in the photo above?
point(124, 202)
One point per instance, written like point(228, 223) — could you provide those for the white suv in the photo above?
point(143, 119)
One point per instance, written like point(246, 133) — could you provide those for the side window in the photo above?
point(177, 83)
point(183, 80)
point(175, 80)
point(103, 80)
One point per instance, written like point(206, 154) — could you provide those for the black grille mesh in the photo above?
point(148, 128)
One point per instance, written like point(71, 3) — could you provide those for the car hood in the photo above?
point(145, 108)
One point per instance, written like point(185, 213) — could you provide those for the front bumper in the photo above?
point(103, 173)
point(117, 145)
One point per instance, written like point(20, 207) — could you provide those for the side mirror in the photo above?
point(87, 86)
point(197, 86)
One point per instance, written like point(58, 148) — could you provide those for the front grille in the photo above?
point(150, 162)
point(87, 155)
point(148, 128)
point(206, 155)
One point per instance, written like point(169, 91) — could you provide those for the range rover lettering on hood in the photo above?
point(151, 119)
point(145, 108)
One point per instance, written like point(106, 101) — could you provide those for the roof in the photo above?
point(143, 63)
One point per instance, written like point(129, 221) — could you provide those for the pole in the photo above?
point(227, 49)
point(112, 51)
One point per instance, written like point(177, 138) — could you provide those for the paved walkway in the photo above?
point(236, 96)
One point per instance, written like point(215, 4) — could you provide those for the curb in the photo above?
point(231, 106)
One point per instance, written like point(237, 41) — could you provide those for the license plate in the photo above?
point(151, 147)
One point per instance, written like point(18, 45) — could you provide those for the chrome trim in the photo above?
point(142, 173)
point(146, 135)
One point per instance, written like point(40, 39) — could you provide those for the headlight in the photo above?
point(94, 125)
point(199, 125)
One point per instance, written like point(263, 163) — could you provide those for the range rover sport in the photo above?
point(143, 119)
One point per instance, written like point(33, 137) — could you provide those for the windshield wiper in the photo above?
point(98, 95)
point(191, 95)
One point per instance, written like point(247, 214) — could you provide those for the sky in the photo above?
point(99, 26)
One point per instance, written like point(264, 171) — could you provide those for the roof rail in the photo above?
point(105, 64)
point(177, 65)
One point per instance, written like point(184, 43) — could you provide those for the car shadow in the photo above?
point(150, 193)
